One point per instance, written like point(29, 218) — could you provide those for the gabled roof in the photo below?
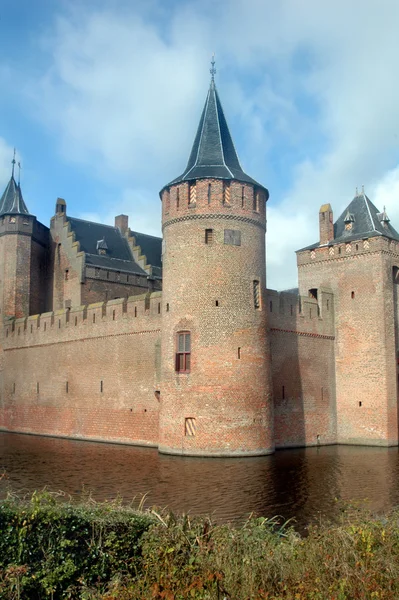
point(151, 247)
point(119, 256)
point(213, 154)
point(12, 201)
point(365, 220)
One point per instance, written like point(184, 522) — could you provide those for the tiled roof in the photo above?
point(12, 201)
point(365, 220)
point(213, 154)
point(118, 256)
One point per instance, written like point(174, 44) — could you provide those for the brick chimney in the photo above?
point(326, 224)
point(122, 223)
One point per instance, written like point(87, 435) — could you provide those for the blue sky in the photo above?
point(102, 100)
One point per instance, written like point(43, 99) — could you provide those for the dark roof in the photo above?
point(12, 201)
point(213, 154)
point(151, 247)
point(119, 256)
point(366, 221)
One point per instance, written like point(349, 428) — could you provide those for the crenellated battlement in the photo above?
point(121, 316)
point(311, 315)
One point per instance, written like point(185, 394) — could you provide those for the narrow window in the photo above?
point(183, 354)
point(66, 387)
point(328, 305)
point(76, 321)
point(113, 315)
point(94, 317)
point(159, 308)
point(256, 201)
point(167, 307)
point(45, 325)
point(189, 427)
point(177, 198)
point(256, 294)
point(101, 386)
point(360, 403)
point(242, 197)
point(37, 387)
point(107, 274)
point(208, 236)
point(283, 393)
point(339, 250)
point(238, 352)
point(313, 293)
point(352, 295)
point(135, 311)
point(66, 274)
point(217, 303)
point(31, 329)
point(357, 246)
point(209, 192)
point(270, 306)
point(322, 394)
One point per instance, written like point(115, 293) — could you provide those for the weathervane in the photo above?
point(13, 164)
point(19, 173)
point(212, 70)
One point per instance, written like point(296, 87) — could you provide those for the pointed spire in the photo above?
point(213, 155)
point(12, 202)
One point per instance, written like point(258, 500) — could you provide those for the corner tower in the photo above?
point(215, 385)
point(16, 226)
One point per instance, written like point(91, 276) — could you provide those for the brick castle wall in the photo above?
point(360, 276)
point(303, 368)
point(87, 373)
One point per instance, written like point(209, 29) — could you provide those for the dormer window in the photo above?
point(349, 220)
point(102, 247)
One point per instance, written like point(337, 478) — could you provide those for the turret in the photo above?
point(215, 390)
point(16, 227)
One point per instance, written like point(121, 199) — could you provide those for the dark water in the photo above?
point(292, 483)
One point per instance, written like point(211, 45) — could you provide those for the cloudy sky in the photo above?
point(102, 99)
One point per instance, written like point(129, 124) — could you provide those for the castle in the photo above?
point(108, 334)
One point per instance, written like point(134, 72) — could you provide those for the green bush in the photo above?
point(53, 549)
point(56, 549)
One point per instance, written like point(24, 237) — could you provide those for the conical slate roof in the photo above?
point(12, 200)
point(213, 154)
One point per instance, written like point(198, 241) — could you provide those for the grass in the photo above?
point(53, 549)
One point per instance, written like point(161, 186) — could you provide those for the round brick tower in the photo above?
point(216, 395)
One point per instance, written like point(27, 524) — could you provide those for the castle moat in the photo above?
point(298, 483)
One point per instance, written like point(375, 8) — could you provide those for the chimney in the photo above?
point(60, 207)
point(122, 223)
point(326, 224)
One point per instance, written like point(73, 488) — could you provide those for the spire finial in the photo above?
point(357, 191)
point(362, 189)
point(212, 70)
point(19, 173)
point(13, 164)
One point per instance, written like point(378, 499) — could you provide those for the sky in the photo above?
point(102, 99)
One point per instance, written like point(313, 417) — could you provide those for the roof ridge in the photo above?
point(94, 223)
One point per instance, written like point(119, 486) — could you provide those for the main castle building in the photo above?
point(113, 335)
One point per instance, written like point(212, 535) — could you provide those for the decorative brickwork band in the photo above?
point(306, 334)
point(213, 216)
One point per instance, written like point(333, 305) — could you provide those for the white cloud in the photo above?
point(313, 81)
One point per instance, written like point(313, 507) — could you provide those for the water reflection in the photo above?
point(293, 483)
